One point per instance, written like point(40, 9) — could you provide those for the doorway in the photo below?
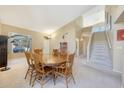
point(46, 47)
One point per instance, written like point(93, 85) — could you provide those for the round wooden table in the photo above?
point(53, 61)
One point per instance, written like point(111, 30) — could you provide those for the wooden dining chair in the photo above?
point(41, 71)
point(31, 67)
point(66, 71)
point(55, 52)
point(38, 51)
point(63, 55)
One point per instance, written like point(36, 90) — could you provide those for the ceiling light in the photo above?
point(48, 32)
point(81, 39)
point(77, 39)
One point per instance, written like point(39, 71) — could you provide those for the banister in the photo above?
point(108, 39)
point(89, 46)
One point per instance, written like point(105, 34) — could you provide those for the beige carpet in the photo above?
point(85, 77)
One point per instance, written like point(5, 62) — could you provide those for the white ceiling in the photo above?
point(41, 18)
point(120, 18)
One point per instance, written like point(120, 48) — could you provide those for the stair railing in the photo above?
point(108, 39)
point(89, 46)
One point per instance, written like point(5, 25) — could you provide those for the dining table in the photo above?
point(53, 61)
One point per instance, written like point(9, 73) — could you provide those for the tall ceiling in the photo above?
point(41, 18)
point(120, 18)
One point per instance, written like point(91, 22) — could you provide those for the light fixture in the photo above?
point(49, 31)
point(47, 37)
point(81, 39)
point(77, 39)
point(53, 35)
point(64, 35)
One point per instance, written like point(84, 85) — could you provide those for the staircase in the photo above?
point(100, 53)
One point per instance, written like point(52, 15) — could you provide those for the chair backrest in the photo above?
point(69, 64)
point(63, 55)
point(55, 52)
point(38, 62)
point(29, 58)
point(71, 58)
point(38, 51)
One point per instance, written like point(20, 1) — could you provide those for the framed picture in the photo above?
point(63, 46)
point(120, 35)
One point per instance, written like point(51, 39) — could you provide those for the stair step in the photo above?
point(100, 44)
point(99, 50)
point(99, 53)
point(101, 61)
point(100, 47)
point(100, 56)
point(96, 57)
point(99, 66)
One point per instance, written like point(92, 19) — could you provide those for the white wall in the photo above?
point(46, 48)
point(94, 16)
point(117, 46)
point(119, 9)
point(118, 50)
point(69, 38)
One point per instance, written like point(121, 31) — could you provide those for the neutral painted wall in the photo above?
point(94, 16)
point(37, 38)
point(111, 10)
point(117, 46)
point(84, 34)
point(74, 30)
point(78, 32)
point(118, 52)
point(70, 38)
point(70, 28)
